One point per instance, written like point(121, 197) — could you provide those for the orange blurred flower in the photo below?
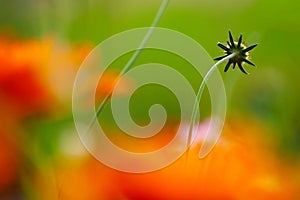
point(36, 75)
point(88, 180)
point(25, 75)
point(21, 87)
point(241, 166)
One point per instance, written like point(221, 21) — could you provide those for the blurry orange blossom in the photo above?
point(37, 75)
point(241, 166)
point(87, 180)
point(22, 88)
point(24, 76)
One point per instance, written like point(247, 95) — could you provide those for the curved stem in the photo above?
point(147, 37)
point(199, 94)
point(129, 64)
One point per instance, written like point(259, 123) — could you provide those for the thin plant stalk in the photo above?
point(134, 57)
point(199, 95)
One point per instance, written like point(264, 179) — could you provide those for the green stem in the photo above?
point(129, 64)
point(199, 94)
point(137, 52)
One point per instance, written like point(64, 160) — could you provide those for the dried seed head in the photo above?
point(241, 50)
